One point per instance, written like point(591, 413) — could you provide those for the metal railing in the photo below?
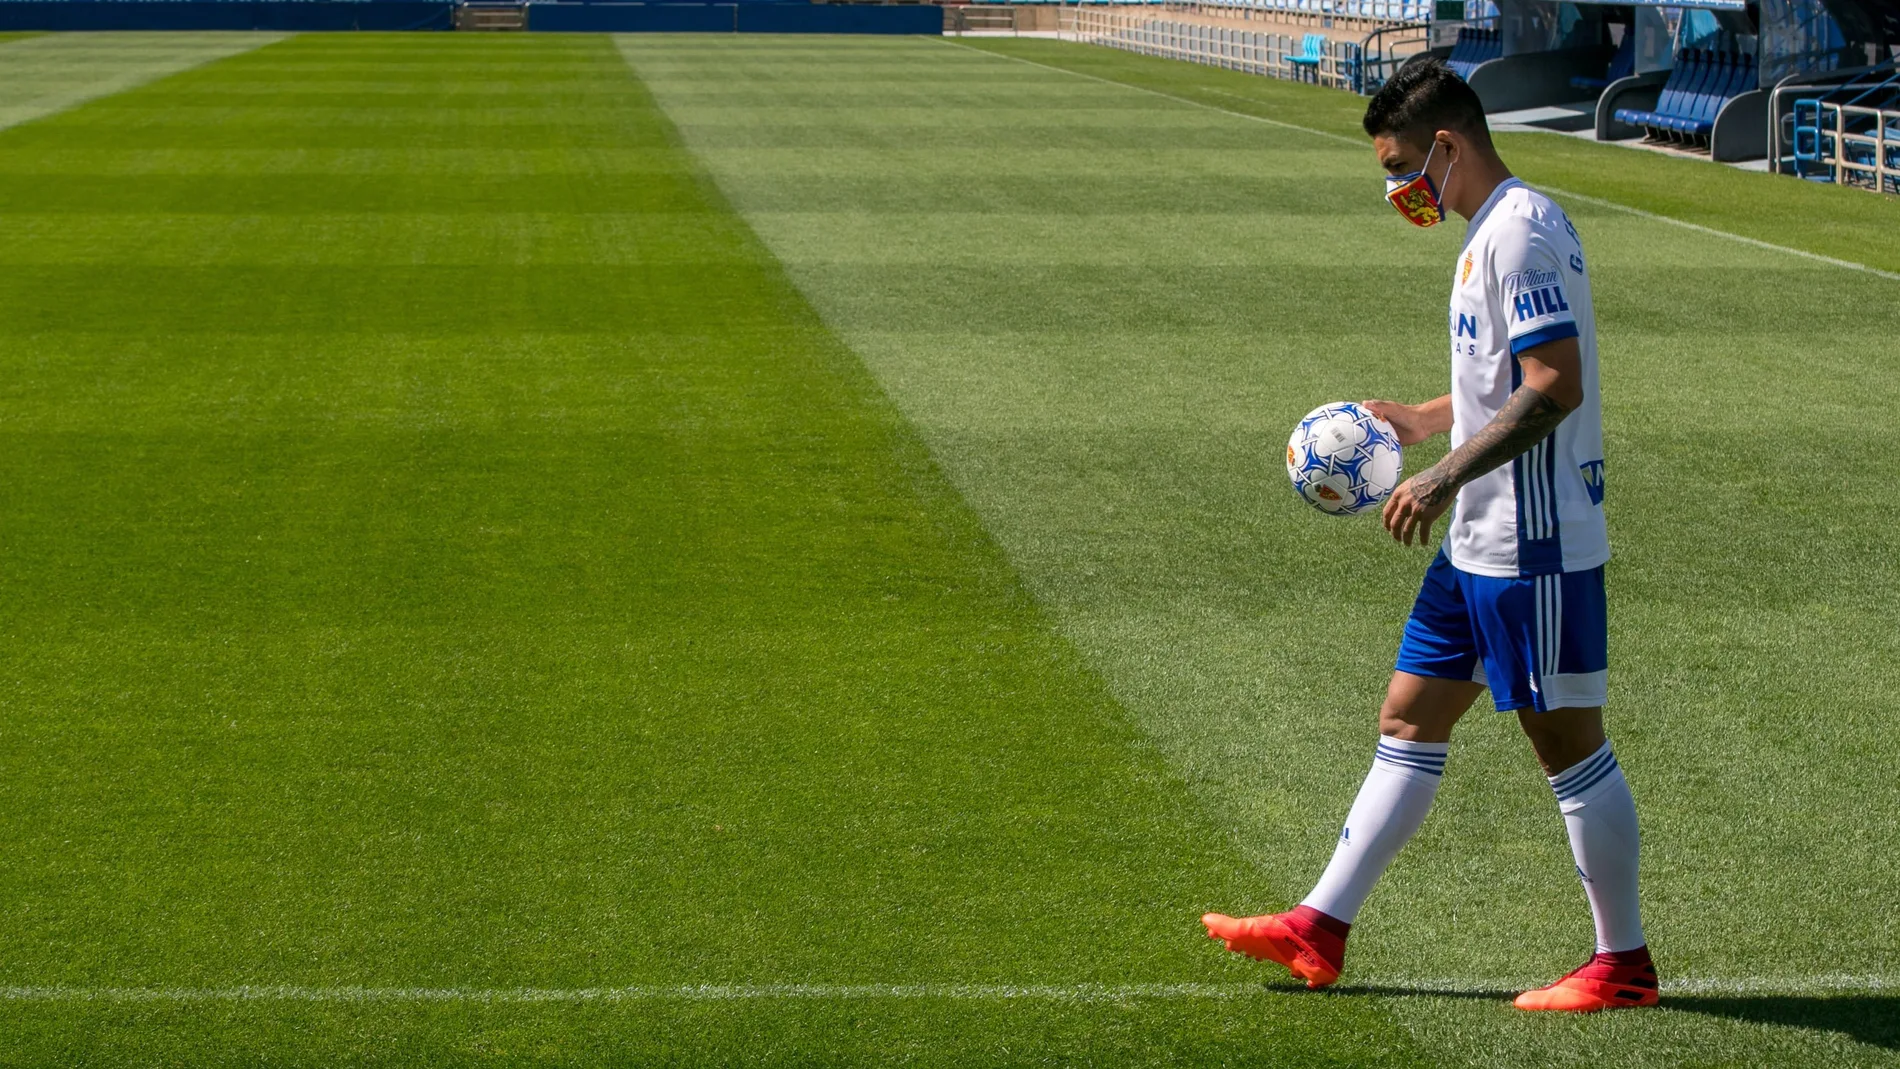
point(1416, 12)
point(1845, 130)
point(1850, 144)
point(1232, 47)
point(1381, 56)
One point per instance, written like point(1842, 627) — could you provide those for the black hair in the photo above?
point(1423, 98)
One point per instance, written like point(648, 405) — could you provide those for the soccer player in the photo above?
point(1513, 601)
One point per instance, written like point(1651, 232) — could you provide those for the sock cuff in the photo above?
point(1403, 756)
point(1586, 775)
point(1322, 920)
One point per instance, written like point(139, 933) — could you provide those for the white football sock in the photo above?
point(1391, 805)
point(1601, 818)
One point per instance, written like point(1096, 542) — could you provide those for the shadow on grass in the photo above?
point(1870, 1019)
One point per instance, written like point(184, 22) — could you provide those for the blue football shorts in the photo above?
point(1540, 642)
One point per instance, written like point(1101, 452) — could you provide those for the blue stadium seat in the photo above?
point(1733, 76)
point(1312, 50)
point(1473, 47)
point(1700, 84)
point(1710, 73)
point(1622, 65)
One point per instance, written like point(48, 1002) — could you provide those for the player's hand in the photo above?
point(1408, 420)
point(1414, 506)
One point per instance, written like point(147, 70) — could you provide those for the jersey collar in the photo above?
point(1490, 202)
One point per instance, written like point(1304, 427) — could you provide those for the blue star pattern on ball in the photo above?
point(1343, 459)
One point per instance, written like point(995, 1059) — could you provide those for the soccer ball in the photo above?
point(1343, 459)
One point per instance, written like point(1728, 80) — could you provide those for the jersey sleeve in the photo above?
point(1529, 271)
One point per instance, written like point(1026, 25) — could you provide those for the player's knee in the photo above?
point(1408, 717)
point(1424, 708)
point(1562, 737)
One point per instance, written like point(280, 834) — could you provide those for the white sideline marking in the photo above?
point(1360, 143)
point(1390, 986)
point(1699, 228)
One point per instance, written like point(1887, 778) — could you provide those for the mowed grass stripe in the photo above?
point(41, 74)
point(1852, 265)
point(1787, 213)
point(1117, 425)
point(564, 618)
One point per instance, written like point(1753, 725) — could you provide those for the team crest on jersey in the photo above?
point(1464, 276)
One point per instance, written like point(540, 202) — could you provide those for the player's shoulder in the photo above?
point(1526, 214)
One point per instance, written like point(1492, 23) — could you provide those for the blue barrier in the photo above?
point(634, 18)
point(840, 18)
point(748, 16)
point(284, 15)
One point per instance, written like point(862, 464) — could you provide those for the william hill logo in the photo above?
point(1542, 301)
point(1529, 278)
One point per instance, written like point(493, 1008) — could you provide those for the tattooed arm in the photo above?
point(1552, 387)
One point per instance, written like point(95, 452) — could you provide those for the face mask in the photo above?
point(1415, 195)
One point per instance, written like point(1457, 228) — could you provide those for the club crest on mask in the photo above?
point(1416, 201)
point(1415, 195)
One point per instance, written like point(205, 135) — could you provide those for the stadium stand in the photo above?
point(1701, 82)
point(1378, 11)
point(1696, 78)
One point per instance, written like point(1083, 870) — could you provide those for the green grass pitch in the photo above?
point(565, 550)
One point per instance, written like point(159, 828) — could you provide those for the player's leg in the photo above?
point(1415, 729)
point(1600, 815)
point(1431, 689)
point(1565, 656)
point(1415, 736)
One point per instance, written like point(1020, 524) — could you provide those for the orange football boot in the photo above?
point(1310, 944)
point(1605, 982)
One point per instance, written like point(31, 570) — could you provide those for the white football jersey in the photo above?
point(1521, 281)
